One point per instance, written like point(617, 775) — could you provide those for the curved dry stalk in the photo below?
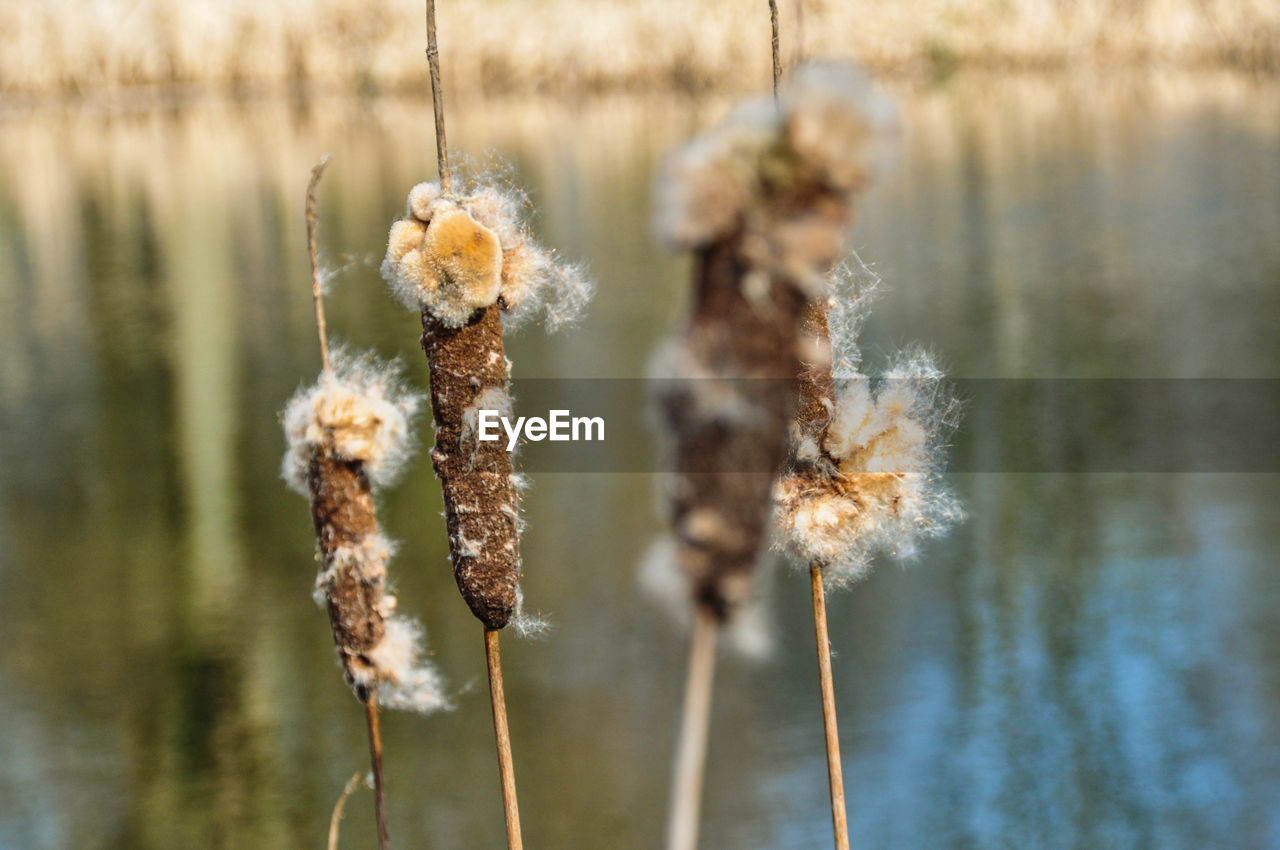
point(502, 734)
point(777, 60)
point(317, 287)
point(835, 773)
point(335, 819)
point(695, 720)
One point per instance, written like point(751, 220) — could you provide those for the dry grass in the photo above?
point(575, 45)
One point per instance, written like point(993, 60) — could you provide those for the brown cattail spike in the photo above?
point(764, 201)
point(469, 371)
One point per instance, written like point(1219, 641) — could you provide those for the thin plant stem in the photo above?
point(375, 759)
point(777, 60)
point(317, 288)
point(835, 773)
point(335, 819)
point(695, 720)
point(502, 734)
point(437, 100)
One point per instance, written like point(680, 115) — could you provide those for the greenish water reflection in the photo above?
point(1090, 661)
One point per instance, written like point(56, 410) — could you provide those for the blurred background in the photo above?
point(1083, 190)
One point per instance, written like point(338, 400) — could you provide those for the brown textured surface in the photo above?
point(342, 507)
point(480, 499)
point(816, 385)
point(719, 512)
point(753, 318)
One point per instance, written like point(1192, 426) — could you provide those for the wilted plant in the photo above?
point(348, 435)
point(464, 258)
point(763, 201)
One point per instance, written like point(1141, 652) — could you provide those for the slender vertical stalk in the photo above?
point(835, 773)
point(317, 288)
point(777, 61)
point(437, 100)
point(375, 758)
point(502, 734)
point(473, 339)
point(371, 704)
point(695, 720)
point(335, 819)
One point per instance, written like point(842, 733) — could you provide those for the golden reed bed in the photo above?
point(578, 45)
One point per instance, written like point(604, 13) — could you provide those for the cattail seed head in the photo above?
point(447, 263)
point(347, 435)
point(455, 256)
point(361, 410)
point(808, 153)
point(876, 483)
point(470, 264)
point(765, 202)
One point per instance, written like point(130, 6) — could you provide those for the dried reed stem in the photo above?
point(835, 772)
point(317, 288)
point(695, 720)
point(465, 362)
point(506, 766)
point(335, 819)
point(437, 100)
point(375, 758)
point(343, 511)
point(777, 60)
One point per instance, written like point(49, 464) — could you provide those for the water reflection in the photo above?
point(1091, 661)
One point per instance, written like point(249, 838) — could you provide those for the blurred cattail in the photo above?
point(764, 201)
point(349, 434)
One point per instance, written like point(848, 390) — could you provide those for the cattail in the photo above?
point(764, 201)
point(466, 262)
point(463, 257)
point(348, 435)
point(864, 475)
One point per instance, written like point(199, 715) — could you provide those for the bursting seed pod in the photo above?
point(764, 201)
point(349, 434)
point(863, 475)
point(865, 471)
point(467, 262)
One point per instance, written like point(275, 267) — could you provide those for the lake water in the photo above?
point(1092, 660)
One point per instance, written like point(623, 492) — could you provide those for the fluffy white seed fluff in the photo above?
point(456, 271)
point(878, 486)
point(828, 125)
point(834, 119)
point(395, 667)
point(526, 623)
point(359, 406)
point(441, 259)
point(403, 677)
